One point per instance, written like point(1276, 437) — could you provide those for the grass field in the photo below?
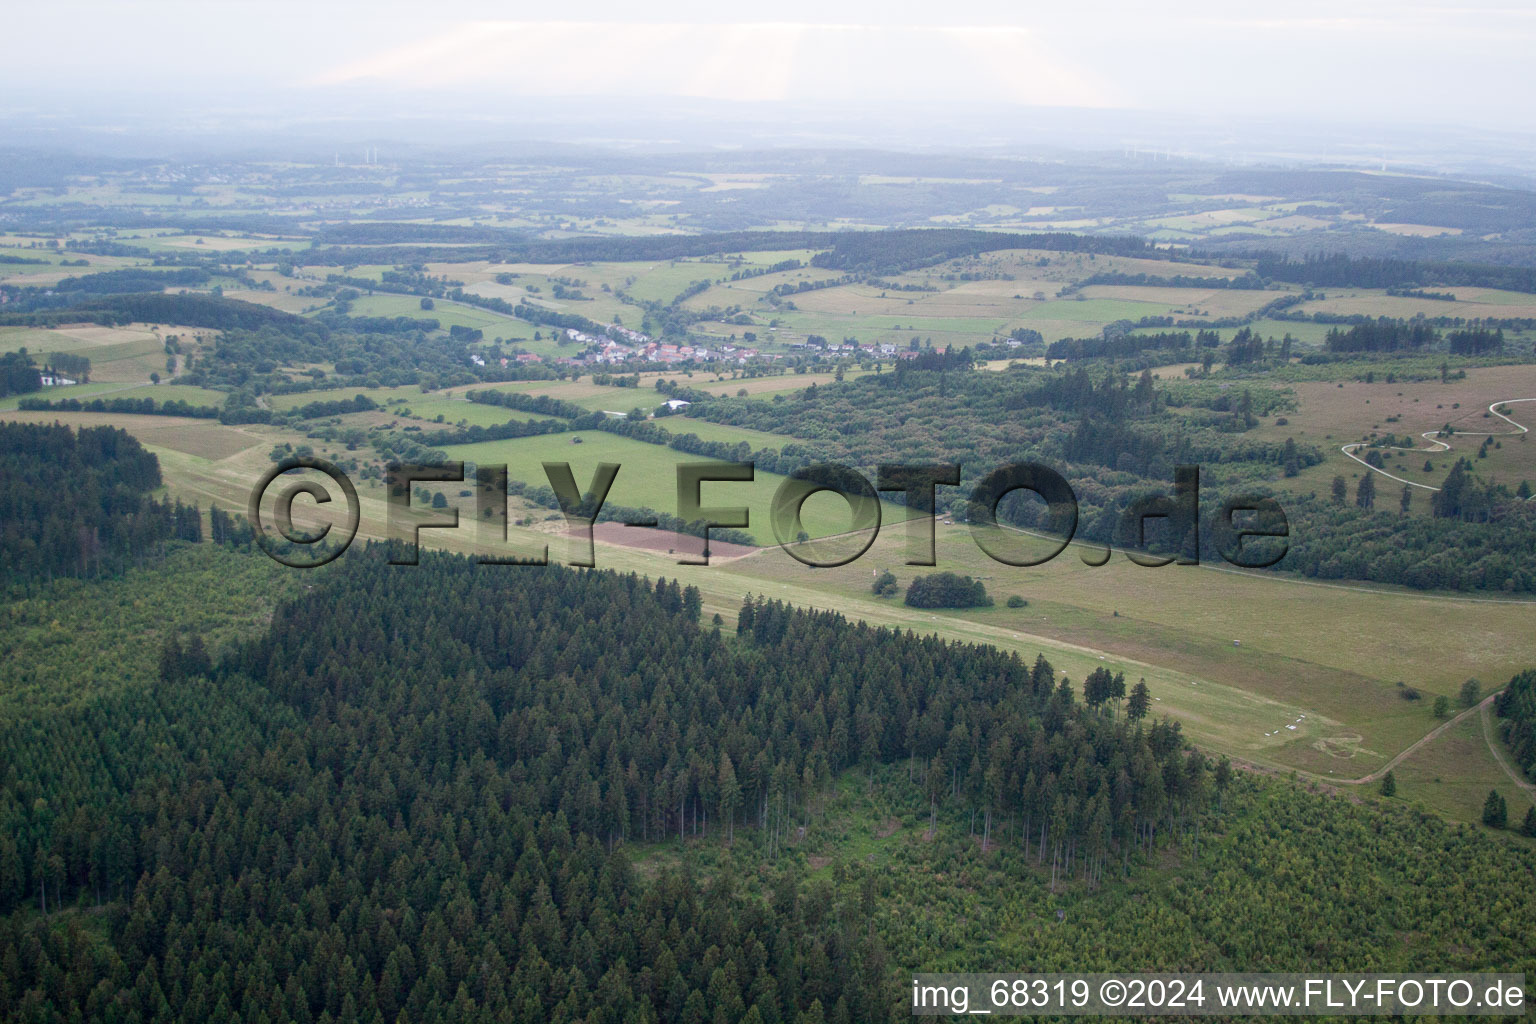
point(764, 387)
point(648, 477)
point(536, 284)
point(708, 431)
point(1330, 416)
point(1471, 303)
point(117, 354)
point(459, 410)
point(279, 299)
point(1453, 773)
point(80, 391)
point(207, 439)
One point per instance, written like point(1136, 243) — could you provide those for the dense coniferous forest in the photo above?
point(1340, 270)
point(423, 802)
point(76, 503)
point(420, 794)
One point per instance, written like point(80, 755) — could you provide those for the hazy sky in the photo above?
point(1398, 61)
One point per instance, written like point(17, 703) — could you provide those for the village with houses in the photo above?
point(620, 345)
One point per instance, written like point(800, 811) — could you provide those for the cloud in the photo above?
point(762, 61)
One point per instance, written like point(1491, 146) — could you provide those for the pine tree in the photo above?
point(1140, 702)
point(1340, 490)
point(1528, 827)
point(1289, 460)
point(730, 794)
point(1495, 811)
point(1389, 784)
point(1365, 493)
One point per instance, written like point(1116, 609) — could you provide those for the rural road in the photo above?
point(1430, 435)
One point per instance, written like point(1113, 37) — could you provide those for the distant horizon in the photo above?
point(1312, 75)
point(671, 125)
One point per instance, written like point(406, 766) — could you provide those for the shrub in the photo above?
point(1015, 601)
point(947, 590)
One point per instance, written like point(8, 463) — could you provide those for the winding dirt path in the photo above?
point(1407, 751)
point(1498, 754)
point(1432, 436)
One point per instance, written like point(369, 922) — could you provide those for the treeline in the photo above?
point(130, 406)
point(134, 279)
point(1382, 336)
point(1127, 345)
point(582, 250)
point(1247, 282)
point(1342, 271)
point(1475, 342)
point(335, 407)
point(77, 503)
point(378, 324)
point(805, 286)
point(896, 251)
point(404, 232)
point(1386, 335)
point(193, 309)
point(773, 268)
point(1419, 293)
point(544, 405)
point(499, 431)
